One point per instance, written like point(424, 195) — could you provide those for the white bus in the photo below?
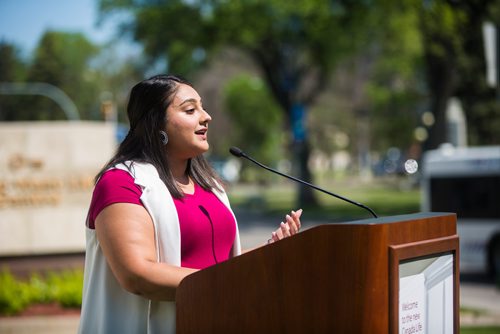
point(467, 181)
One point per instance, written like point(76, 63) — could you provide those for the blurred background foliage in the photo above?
point(305, 79)
point(257, 117)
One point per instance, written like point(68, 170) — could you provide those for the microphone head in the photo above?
point(202, 208)
point(236, 152)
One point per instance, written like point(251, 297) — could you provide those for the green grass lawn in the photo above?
point(480, 330)
point(382, 196)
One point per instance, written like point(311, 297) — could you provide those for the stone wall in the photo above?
point(46, 182)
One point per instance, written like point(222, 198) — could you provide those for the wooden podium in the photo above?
point(333, 278)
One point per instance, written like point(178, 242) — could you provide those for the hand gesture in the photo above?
point(289, 227)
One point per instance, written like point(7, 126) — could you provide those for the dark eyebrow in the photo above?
point(189, 101)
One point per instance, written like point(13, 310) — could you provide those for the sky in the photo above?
point(23, 22)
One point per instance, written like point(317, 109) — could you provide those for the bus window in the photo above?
point(468, 197)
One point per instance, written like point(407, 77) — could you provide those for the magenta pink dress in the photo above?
point(208, 228)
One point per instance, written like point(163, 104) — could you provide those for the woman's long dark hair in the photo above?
point(147, 114)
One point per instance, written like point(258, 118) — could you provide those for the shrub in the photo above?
point(64, 288)
point(14, 295)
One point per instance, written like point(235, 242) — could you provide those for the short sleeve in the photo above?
point(114, 186)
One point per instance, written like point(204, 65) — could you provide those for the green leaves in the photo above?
point(62, 59)
point(256, 121)
point(64, 288)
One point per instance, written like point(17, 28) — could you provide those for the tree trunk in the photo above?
point(283, 83)
point(301, 153)
point(441, 68)
point(441, 78)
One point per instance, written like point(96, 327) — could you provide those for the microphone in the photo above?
point(240, 154)
point(205, 212)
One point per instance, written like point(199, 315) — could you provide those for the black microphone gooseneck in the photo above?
point(239, 153)
point(205, 212)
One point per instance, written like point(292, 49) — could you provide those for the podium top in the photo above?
point(399, 218)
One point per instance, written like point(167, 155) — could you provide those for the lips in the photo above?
point(202, 133)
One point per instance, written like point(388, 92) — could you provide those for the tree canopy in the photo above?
point(354, 75)
point(62, 59)
point(295, 44)
point(455, 65)
point(257, 120)
point(12, 69)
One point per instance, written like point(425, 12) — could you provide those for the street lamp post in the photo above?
point(44, 89)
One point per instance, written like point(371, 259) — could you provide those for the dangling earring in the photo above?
point(164, 137)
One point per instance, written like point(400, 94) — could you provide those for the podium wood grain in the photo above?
point(333, 278)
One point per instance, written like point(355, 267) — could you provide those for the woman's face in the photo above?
point(187, 124)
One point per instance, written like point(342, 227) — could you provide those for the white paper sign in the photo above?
point(412, 308)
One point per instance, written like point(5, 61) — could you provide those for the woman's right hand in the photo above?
point(289, 227)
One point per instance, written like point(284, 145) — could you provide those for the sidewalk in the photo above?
point(63, 324)
point(483, 300)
